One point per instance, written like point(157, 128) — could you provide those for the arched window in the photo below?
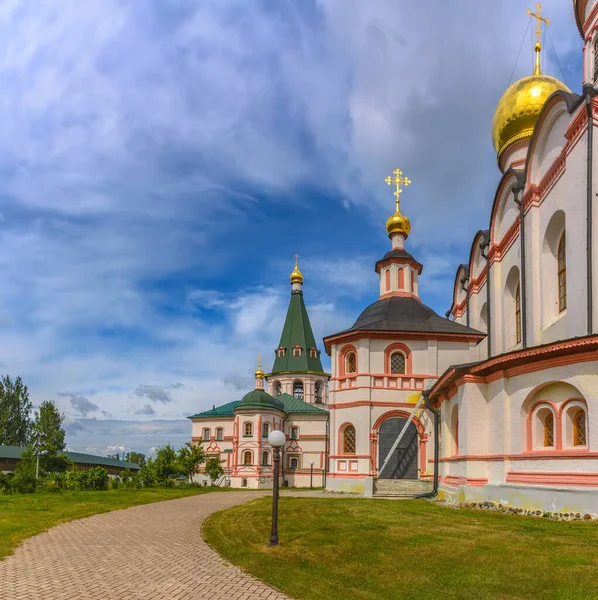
point(265, 459)
point(294, 433)
point(206, 435)
point(298, 389)
point(248, 430)
point(247, 459)
point(518, 313)
point(265, 430)
point(219, 434)
point(596, 61)
point(276, 388)
point(549, 430)
point(387, 277)
point(562, 274)
point(351, 362)
point(579, 428)
point(397, 363)
point(349, 440)
point(318, 392)
point(294, 462)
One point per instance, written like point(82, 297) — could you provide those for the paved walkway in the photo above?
point(148, 552)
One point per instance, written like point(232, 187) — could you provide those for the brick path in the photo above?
point(150, 552)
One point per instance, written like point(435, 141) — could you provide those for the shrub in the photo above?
point(23, 482)
point(5, 486)
point(114, 483)
point(97, 478)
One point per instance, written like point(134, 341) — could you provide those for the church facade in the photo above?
point(496, 401)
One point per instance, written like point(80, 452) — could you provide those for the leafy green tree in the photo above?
point(190, 458)
point(15, 412)
point(147, 476)
point(23, 479)
point(165, 464)
point(213, 469)
point(135, 457)
point(48, 438)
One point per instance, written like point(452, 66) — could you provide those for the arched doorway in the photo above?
point(403, 462)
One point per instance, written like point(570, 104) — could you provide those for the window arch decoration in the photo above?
point(298, 391)
point(219, 434)
point(265, 458)
point(548, 424)
point(579, 428)
point(543, 426)
point(248, 429)
point(247, 458)
point(574, 417)
point(343, 360)
point(349, 439)
point(562, 273)
point(351, 362)
point(388, 356)
point(265, 429)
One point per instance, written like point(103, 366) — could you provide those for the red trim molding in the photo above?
point(573, 479)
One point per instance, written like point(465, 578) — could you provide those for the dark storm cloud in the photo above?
point(153, 392)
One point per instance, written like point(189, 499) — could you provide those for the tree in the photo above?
point(213, 469)
point(15, 411)
point(147, 476)
point(48, 437)
point(190, 458)
point(165, 464)
point(135, 457)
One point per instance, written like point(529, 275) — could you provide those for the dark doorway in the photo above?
point(403, 462)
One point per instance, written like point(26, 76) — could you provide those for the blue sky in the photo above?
point(163, 161)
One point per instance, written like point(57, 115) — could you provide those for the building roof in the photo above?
point(398, 253)
point(290, 405)
point(16, 452)
point(407, 314)
point(294, 405)
point(297, 331)
point(259, 400)
point(226, 410)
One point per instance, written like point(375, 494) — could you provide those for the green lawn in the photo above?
point(384, 549)
point(24, 515)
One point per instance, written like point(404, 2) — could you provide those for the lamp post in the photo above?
point(311, 475)
point(276, 439)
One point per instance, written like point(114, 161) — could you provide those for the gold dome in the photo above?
point(398, 223)
point(259, 374)
point(519, 107)
point(296, 275)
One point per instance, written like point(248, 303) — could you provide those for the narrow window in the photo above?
point(413, 281)
point(549, 430)
point(265, 430)
point(247, 459)
point(248, 429)
point(294, 433)
point(397, 363)
point(387, 277)
point(351, 362)
point(298, 389)
point(579, 428)
point(401, 279)
point(265, 459)
point(318, 392)
point(243, 482)
point(276, 388)
point(281, 352)
point(562, 274)
point(313, 353)
point(518, 312)
point(294, 462)
point(349, 440)
point(206, 435)
point(297, 350)
point(219, 434)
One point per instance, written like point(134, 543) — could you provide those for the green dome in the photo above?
point(259, 400)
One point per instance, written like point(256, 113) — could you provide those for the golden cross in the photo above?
point(398, 180)
point(296, 260)
point(259, 362)
point(539, 18)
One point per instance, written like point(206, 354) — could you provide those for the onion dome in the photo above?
point(398, 223)
point(259, 400)
point(259, 374)
point(296, 275)
point(519, 107)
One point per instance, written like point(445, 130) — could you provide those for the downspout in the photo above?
point(589, 93)
point(483, 245)
point(436, 414)
point(516, 191)
point(463, 282)
point(327, 451)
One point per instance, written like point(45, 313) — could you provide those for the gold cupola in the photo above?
point(398, 223)
point(518, 109)
point(296, 275)
point(259, 375)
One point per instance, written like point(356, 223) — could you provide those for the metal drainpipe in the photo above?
point(516, 191)
point(463, 282)
point(589, 93)
point(436, 414)
point(327, 451)
point(483, 245)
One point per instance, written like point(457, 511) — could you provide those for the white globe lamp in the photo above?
point(276, 438)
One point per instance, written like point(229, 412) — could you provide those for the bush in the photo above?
point(23, 482)
point(97, 478)
point(114, 483)
point(5, 486)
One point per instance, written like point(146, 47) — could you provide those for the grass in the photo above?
point(24, 515)
point(383, 549)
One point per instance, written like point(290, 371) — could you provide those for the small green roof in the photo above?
point(297, 331)
point(76, 457)
point(259, 400)
point(226, 410)
point(296, 405)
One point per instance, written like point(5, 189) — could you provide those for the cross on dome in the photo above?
point(398, 223)
point(538, 46)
